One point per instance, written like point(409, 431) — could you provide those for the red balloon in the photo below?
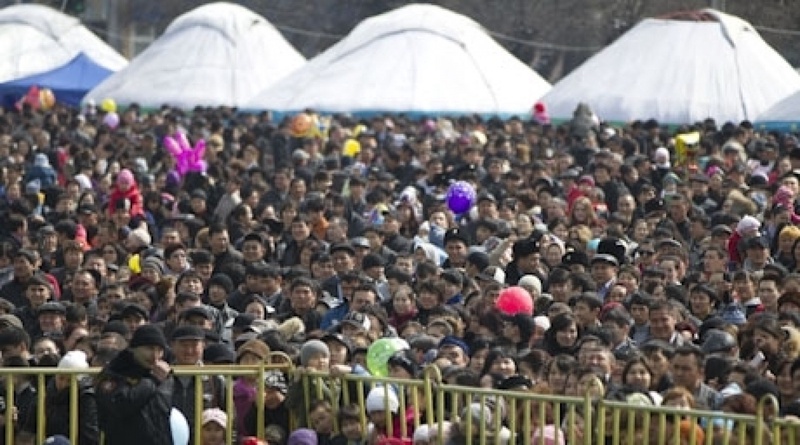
point(515, 300)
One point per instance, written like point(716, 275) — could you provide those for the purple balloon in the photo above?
point(460, 197)
point(111, 120)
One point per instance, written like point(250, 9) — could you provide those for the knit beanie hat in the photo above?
point(222, 281)
point(311, 349)
point(148, 335)
point(747, 224)
point(125, 177)
point(376, 400)
point(303, 436)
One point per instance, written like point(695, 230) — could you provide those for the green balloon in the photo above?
point(378, 356)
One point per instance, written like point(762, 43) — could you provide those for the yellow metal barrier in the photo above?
point(229, 373)
point(524, 415)
point(477, 416)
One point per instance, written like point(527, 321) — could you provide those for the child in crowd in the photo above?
point(383, 424)
point(351, 430)
point(314, 358)
point(320, 417)
point(215, 424)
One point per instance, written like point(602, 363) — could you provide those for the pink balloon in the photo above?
point(172, 146)
point(515, 300)
point(198, 164)
point(183, 142)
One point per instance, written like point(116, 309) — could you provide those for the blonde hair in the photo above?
point(789, 232)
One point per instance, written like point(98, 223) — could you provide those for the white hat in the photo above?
point(215, 415)
point(531, 281)
point(74, 360)
point(542, 321)
point(376, 400)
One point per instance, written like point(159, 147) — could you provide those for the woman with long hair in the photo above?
point(562, 337)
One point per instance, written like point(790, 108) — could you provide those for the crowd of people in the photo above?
point(661, 275)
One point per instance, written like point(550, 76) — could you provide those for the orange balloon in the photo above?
point(46, 99)
point(301, 125)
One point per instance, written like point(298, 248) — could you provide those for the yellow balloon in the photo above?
point(360, 128)
point(134, 264)
point(46, 99)
point(351, 148)
point(108, 105)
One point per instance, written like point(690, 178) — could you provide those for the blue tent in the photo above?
point(69, 82)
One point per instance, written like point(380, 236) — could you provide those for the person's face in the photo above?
point(792, 183)
point(303, 299)
point(219, 241)
point(662, 324)
point(455, 354)
point(439, 219)
point(23, 269)
point(700, 304)
point(50, 322)
point(402, 303)
point(585, 315)
point(744, 288)
point(670, 271)
point(188, 351)
point(557, 380)
point(638, 377)
point(603, 272)
point(768, 293)
point(213, 434)
point(599, 359)
point(686, 372)
point(205, 271)
point(37, 295)
point(456, 251)
point(322, 270)
point(758, 255)
point(679, 402)
point(83, 287)
point(319, 362)
point(44, 347)
point(192, 284)
point(566, 337)
point(478, 359)
point(338, 353)
point(342, 261)
point(177, 261)
point(765, 342)
point(361, 299)
point(428, 300)
point(147, 356)
point(352, 430)
point(405, 264)
point(217, 295)
point(256, 309)
point(504, 366)
point(273, 398)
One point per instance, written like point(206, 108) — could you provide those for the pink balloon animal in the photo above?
point(187, 159)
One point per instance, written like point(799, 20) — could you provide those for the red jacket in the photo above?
point(132, 194)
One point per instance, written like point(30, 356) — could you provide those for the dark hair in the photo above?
point(637, 359)
point(694, 351)
point(494, 355)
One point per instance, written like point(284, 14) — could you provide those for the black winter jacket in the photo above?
point(133, 406)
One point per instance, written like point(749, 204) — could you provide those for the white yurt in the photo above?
point(417, 59)
point(679, 69)
point(219, 54)
point(36, 39)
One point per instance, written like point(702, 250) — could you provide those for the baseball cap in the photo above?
point(717, 340)
point(357, 319)
point(215, 415)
